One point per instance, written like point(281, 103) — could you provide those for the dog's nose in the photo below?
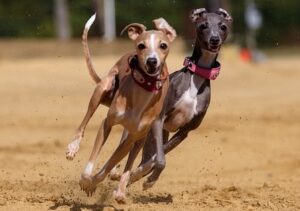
point(214, 40)
point(152, 62)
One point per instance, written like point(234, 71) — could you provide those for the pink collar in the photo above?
point(208, 73)
point(149, 83)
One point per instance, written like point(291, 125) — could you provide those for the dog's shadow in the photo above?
point(78, 205)
point(166, 199)
point(100, 205)
point(104, 201)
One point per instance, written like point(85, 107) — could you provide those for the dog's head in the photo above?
point(212, 28)
point(152, 46)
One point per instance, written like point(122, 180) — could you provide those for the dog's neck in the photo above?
point(203, 57)
point(207, 59)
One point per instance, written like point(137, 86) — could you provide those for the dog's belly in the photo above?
point(182, 114)
point(136, 123)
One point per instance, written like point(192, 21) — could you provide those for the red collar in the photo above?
point(149, 83)
point(208, 73)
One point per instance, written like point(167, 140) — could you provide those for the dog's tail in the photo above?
point(86, 50)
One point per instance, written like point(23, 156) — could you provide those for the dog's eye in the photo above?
point(163, 46)
point(141, 46)
point(223, 28)
point(203, 26)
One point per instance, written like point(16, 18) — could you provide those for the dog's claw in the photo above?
point(119, 197)
point(72, 149)
point(147, 185)
point(87, 185)
point(114, 174)
point(70, 156)
point(114, 177)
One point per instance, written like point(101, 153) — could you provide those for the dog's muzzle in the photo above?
point(152, 67)
point(214, 44)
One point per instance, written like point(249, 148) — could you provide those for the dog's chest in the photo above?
point(135, 115)
point(184, 109)
point(188, 101)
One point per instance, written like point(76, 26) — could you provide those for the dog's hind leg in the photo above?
point(120, 193)
point(149, 148)
point(114, 174)
point(149, 165)
point(149, 153)
point(99, 92)
point(160, 136)
point(133, 154)
point(148, 158)
point(176, 139)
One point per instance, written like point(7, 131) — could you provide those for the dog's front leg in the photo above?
point(86, 182)
point(160, 162)
point(95, 100)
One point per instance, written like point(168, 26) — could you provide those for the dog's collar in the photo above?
point(149, 83)
point(208, 73)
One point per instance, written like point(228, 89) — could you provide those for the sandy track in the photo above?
point(245, 156)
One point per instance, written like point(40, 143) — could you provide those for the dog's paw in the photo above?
point(87, 184)
point(119, 197)
point(114, 174)
point(72, 149)
point(147, 185)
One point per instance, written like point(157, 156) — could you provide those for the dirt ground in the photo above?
point(245, 155)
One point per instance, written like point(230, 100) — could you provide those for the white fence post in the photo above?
point(63, 29)
point(109, 20)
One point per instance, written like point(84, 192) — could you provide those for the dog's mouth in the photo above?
point(152, 70)
point(214, 48)
point(152, 66)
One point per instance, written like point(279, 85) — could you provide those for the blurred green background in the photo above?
point(35, 18)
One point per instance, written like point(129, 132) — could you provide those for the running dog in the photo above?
point(134, 90)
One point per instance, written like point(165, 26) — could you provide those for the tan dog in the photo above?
point(134, 89)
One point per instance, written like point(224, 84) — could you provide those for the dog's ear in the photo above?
point(134, 30)
point(162, 25)
point(198, 14)
point(225, 15)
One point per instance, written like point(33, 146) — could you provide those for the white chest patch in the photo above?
point(188, 100)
